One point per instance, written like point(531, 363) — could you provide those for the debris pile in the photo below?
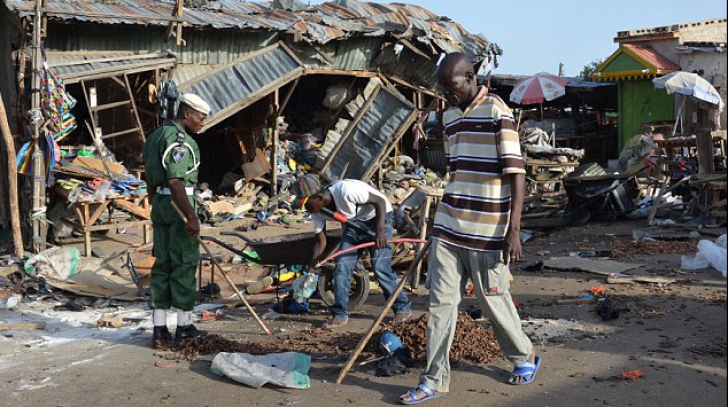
point(628, 249)
point(546, 167)
point(472, 343)
point(317, 341)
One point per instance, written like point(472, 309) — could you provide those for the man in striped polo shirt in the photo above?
point(477, 227)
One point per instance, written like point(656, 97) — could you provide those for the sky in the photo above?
point(537, 35)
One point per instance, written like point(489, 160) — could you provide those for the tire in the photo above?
point(358, 294)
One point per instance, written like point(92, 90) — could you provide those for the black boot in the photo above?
point(161, 337)
point(188, 332)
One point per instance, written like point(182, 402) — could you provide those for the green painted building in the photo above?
point(633, 67)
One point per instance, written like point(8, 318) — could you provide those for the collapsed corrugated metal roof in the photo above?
point(317, 24)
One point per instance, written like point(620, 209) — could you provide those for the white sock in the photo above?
point(184, 318)
point(160, 317)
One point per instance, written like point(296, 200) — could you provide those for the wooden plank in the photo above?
point(110, 105)
point(97, 213)
point(135, 209)
point(134, 113)
point(120, 225)
point(338, 72)
point(121, 133)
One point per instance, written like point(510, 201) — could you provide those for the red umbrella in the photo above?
point(538, 88)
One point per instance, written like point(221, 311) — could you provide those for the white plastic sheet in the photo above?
point(709, 255)
point(289, 369)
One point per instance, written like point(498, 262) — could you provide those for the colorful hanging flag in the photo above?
point(56, 105)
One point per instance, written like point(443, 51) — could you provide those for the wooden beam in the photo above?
point(358, 74)
point(287, 98)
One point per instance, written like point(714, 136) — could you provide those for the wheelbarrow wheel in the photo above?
point(358, 292)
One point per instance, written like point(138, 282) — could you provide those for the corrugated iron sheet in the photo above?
point(364, 145)
point(321, 23)
point(248, 80)
point(70, 67)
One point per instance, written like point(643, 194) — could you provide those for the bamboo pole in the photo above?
point(38, 163)
point(12, 180)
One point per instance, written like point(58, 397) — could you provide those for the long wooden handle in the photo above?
point(363, 343)
point(224, 274)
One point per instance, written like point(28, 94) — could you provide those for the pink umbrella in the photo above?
point(538, 88)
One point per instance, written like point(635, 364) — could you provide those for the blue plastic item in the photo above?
point(389, 341)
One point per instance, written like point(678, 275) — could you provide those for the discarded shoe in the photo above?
point(336, 322)
point(161, 337)
point(257, 286)
point(188, 332)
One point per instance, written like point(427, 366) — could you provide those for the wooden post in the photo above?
point(38, 164)
point(274, 149)
point(705, 152)
point(12, 180)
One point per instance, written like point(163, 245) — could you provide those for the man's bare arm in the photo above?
point(513, 250)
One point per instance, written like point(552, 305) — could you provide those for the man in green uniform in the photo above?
point(171, 159)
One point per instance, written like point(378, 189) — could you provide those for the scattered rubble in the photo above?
point(628, 249)
point(473, 343)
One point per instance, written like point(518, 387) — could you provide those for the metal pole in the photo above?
point(38, 163)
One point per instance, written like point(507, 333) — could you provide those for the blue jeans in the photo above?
point(381, 261)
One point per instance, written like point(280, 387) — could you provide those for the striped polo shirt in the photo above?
point(482, 146)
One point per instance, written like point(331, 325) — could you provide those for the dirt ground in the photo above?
point(674, 334)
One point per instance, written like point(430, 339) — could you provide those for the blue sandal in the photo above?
point(429, 395)
point(525, 370)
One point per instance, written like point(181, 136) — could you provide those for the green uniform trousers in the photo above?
point(177, 256)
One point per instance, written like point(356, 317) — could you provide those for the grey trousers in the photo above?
point(448, 268)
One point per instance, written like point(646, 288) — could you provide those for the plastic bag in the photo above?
point(709, 255)
point(304, 287)
point(57, 263)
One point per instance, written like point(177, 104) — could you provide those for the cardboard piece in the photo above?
point(100, 281)
point(259, 167)
point(595, 266)
point(220, 207)
point(98, 165)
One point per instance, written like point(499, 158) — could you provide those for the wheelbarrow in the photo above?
point(286, 251)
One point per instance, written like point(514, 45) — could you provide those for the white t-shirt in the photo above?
point(351, 198)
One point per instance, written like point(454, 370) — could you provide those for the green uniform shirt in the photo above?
point(179, 160)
